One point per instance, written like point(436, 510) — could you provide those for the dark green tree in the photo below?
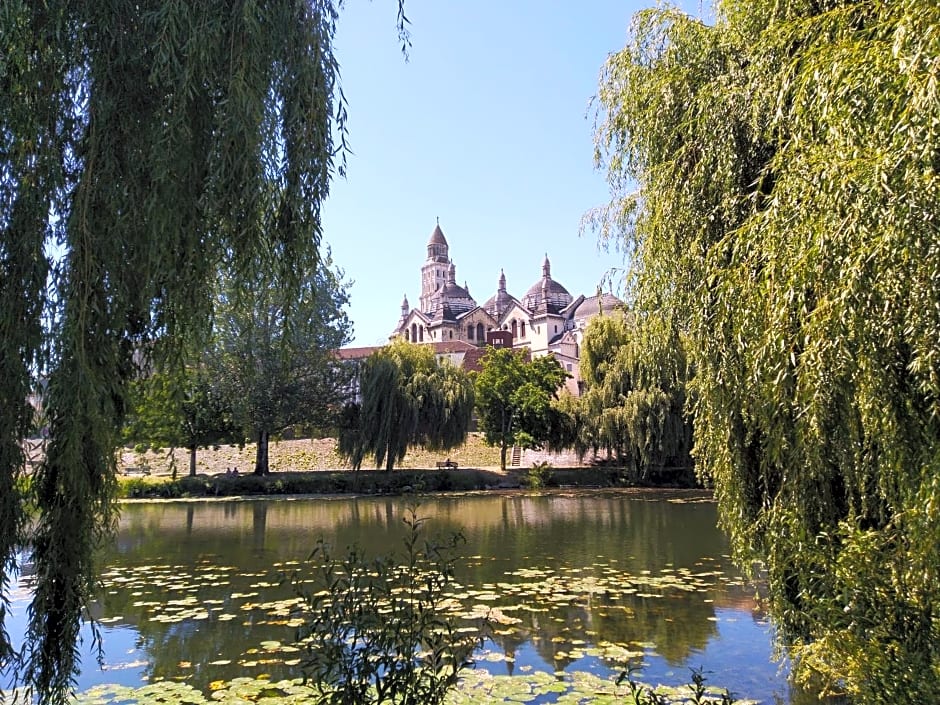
point(775, 178)
point(188, 410)
point(408, 398)
point(276, 361)
point(515, 399)
point(144, 147)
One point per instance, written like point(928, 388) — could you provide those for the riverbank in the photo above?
point(372, 482)
point(313, 466)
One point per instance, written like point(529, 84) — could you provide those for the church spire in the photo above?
point(437, 245)
point(547, 268)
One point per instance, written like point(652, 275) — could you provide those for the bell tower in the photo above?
point(436, 267)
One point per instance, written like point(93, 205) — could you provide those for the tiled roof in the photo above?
point(440, 347)
point(471, 360)
point(453, 346)
point(437, 237)
point(593, 305)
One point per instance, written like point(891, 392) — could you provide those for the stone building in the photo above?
point(547, 319)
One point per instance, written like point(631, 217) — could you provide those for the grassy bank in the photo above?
point(301, 455)
point(370, 482)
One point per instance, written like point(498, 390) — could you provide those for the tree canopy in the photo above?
point(144, 147)
point(633, 405)
point(514, 399)
point(186, 409)
point(775, 180)
point(276, 360)
point(407, 398)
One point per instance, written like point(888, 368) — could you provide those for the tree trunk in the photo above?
point(389, 460)
point(502, 440)
point(192, 461)
point(261, 457)
point(259, 524)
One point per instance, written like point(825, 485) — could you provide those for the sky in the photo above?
point(488, 127)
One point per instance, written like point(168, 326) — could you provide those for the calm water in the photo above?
point(190, 588)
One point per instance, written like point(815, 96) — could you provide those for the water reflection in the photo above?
point(191, 588)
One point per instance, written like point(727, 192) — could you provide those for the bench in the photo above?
point(446, 464)
point(136, 471)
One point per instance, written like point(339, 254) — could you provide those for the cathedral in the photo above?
point(547, 319)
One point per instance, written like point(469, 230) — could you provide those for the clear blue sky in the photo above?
point(488, 127)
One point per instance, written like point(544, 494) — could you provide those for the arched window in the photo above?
point(414, 333)
point(451, 335)
point(406, 335)
point(480, 335)
point(421, 334)
point(522, 331)
point(470, 331)
point(514, 330)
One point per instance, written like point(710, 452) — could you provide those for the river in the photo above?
point(594, 581)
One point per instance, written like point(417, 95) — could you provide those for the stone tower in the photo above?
point(436, 268)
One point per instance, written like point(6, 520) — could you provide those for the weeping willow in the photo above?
point(635, 374)
point(775, 176)
point(407, 398)
point(143, 146)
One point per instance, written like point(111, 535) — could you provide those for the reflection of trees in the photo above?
point(507, 532)
point(259, 518)
point(199, 642)
point(676, 623)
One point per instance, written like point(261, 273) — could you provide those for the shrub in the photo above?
point(540, 475)
point(695, 693)
point(378, 631)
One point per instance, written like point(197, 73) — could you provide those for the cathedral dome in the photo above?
point(451, 299)
point(497, 304)
point(546, 292)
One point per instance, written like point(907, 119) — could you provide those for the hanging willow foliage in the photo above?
point(633, 406)
point(408, 398)
point(787, 160)
point(143, 145)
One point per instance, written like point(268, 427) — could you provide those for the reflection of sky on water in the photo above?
point(733, 659)
point(733, 645)
point(124, 661)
